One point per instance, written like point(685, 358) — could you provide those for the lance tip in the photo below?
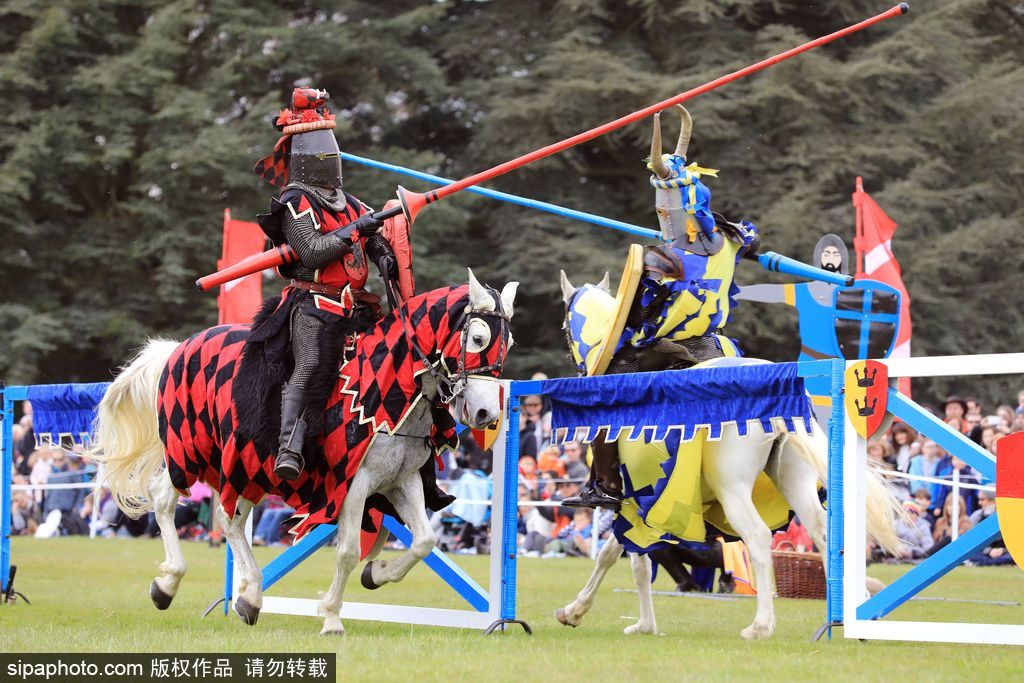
point(904, 7)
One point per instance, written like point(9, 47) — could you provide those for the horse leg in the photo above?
point(573, 613)
point(250, 586)
point(797, 481)
point(348, 553)
point(642, 575)
point(164, 499)
point(743, 516)
point(730, 468)
point(407, 498)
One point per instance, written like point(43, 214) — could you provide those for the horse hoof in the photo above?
point(755, 633)
point(333, 631)
point(366, 578)
point(247, 611)
point(160, 599)
point(562, 619)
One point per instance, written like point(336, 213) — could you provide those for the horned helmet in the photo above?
point(682, 201)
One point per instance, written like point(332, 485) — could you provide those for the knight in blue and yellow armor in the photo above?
point(679, 304)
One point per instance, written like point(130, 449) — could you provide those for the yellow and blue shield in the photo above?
point(595, 320)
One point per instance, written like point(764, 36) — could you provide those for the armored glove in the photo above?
point(364, 226)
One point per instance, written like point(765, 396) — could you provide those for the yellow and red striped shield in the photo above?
point(867, 392)
point(1010, 493)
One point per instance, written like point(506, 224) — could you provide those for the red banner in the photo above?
point(876, 261)
point(239, 300)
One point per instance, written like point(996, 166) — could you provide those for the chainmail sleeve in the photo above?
point(315, 249)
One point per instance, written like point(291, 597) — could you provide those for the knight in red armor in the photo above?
point(335, 236)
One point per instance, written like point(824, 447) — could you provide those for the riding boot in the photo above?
point(289, 463)
point(604, 489)
point(433, 496)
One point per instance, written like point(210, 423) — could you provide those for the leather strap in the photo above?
point(358, 295)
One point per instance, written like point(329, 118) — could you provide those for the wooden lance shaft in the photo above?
point(412, 202)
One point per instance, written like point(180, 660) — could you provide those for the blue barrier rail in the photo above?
point(10, 396)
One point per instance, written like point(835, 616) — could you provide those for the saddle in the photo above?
point(661, 262)
point(267, 362)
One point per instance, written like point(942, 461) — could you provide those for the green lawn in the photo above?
point(92, 595)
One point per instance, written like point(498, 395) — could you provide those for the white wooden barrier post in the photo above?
point(863, 618)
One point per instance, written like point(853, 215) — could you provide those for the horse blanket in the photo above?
point(375, 390)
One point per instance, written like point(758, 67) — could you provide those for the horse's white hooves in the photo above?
point(638, 629)
point(755, 633)
point(562, 618)
point(338, 630)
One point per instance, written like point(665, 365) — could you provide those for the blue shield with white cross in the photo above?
point(867, 319)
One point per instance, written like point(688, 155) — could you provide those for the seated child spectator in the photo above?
point(268, 531)
point(914, 532)
point(995, 553)
point(574, 539)
point(923, 498)
point(550, 461)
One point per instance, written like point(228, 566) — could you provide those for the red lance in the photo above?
point(410, 203)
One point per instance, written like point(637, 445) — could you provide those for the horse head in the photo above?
point(473, 356)
point(588, 310)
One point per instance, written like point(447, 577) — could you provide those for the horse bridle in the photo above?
point(581, 367)
point(451, 385)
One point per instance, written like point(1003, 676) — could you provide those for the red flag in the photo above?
point(875, 260)
point(239, 300)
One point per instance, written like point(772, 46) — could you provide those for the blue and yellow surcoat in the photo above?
point(697, 304)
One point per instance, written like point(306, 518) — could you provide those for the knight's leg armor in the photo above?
point(604, 489)
point(295, 396)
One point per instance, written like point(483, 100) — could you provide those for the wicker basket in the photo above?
point(799, 575)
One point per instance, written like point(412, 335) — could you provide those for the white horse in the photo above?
point(795, 461)
point(129, 444)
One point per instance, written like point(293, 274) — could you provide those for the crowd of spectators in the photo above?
point(548, 473)
point(54, 495)
point(925, 477)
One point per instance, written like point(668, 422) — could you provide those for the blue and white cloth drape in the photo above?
point(652, 404)
point(64, 411)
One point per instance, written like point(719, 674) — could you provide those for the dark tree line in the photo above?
point(130, 125)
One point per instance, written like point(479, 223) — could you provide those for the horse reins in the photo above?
point(451, 385)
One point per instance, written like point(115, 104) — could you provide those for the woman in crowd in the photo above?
point(904, 444)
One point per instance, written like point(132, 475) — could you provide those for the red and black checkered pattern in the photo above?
point(376, 389)
point(273, 168)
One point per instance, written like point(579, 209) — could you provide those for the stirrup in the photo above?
point(594, 497)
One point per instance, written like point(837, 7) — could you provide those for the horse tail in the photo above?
point(127, 441)
point(883, 505)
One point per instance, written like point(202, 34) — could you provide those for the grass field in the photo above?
point(92, 595)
